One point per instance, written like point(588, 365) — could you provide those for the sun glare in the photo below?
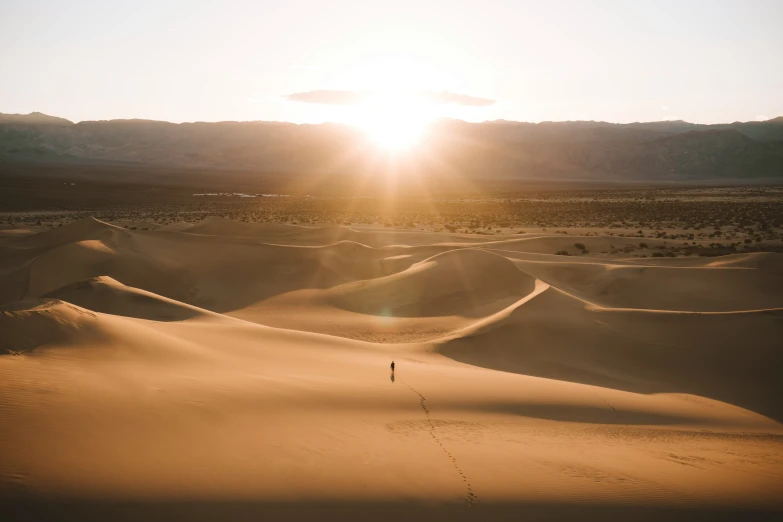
point(394, 121)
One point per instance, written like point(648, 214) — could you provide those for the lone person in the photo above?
point(392, 366)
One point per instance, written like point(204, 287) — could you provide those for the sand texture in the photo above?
point(239, 371)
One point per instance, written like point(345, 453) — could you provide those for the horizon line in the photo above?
point(497, 121)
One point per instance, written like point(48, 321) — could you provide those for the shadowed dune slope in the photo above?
point(731, 357)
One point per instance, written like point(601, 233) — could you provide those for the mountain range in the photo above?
point(575, 150)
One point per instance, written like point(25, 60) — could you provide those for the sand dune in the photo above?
point(428, 300)
point(230, 362)
point(456, 282)
point(107, 295)
point(28, 325)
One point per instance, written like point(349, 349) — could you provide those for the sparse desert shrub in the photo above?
point(657, 254)
point(580, 246)
point(562, 253)
point(642, 245)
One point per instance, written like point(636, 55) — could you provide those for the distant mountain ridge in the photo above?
point(664, 150)
point(33, 118)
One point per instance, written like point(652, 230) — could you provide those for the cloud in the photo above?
point(664, 108)
point(327, 97)
point(762, 117)
point(304, 67)
point(457, 99)
point(337, 97)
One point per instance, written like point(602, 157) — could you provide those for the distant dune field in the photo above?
point(227, 370)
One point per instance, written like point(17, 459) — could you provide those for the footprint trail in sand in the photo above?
point(470, 497)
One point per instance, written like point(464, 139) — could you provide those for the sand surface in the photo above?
point(231, 370)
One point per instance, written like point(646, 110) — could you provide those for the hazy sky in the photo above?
point(188, 60)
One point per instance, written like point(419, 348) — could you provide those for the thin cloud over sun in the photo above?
point(346, 97)
point(455, 98)
point(329, 97)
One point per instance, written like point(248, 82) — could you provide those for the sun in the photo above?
point(394, 132)
point(394, 121)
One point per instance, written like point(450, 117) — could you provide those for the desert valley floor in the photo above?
point(226, 370)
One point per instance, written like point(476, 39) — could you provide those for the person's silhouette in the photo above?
point(392, 365)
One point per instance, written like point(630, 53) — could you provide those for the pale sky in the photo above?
point(309, 61)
